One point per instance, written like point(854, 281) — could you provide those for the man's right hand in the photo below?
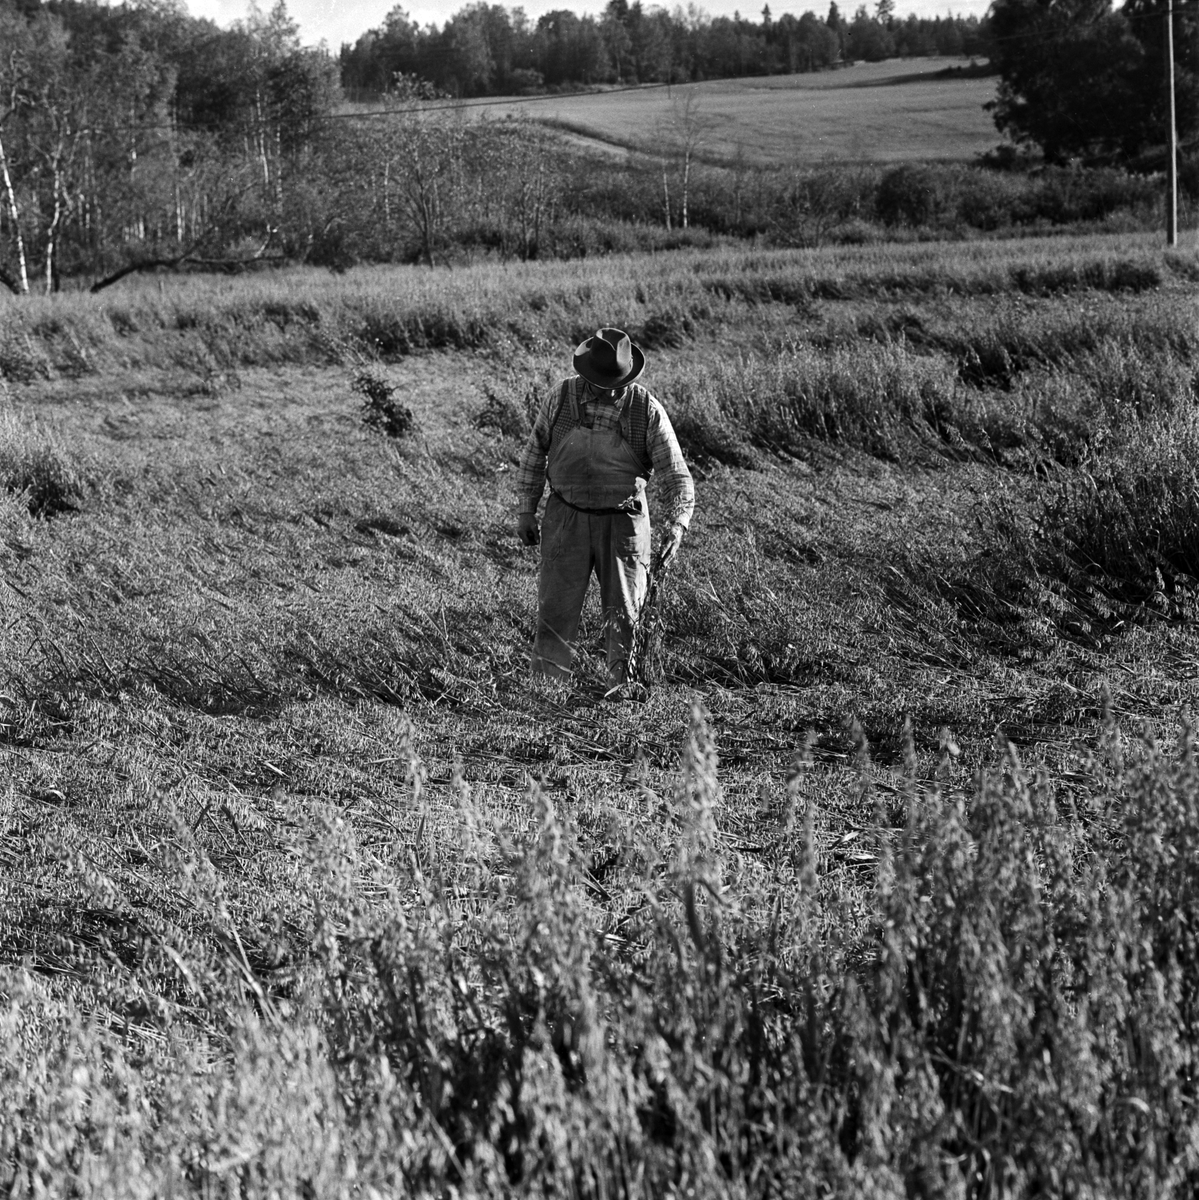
point(527, 529)
point(673, 541)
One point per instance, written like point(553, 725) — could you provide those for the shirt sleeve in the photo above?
point(530, 474)
point(678, 488)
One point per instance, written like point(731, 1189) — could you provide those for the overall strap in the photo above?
point(560, 410)
point(637, 431)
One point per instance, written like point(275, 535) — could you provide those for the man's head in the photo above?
point(609, 360)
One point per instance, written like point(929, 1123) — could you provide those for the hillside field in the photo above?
point(902, 110)
point(888, 888)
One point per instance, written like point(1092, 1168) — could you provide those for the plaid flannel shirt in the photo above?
point(678, 489)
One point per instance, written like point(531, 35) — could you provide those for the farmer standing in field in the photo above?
point(596, 439)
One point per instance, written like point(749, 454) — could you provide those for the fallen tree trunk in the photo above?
point(228, 265)
point(149, 264)
point(190, 257)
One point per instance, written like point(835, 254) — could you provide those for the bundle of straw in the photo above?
point(644, 664)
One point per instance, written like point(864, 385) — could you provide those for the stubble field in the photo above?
point(901, 110)
point(887, 889)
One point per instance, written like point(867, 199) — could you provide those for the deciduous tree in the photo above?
point(1079, 80)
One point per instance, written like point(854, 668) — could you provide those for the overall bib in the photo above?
point(591, 469)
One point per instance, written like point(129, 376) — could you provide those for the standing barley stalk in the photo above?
point(645, 664)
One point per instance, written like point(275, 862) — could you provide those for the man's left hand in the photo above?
point(527, 528)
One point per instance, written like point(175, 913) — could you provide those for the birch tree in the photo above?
point(17, 39)
point(51, 127)
point(682, 132)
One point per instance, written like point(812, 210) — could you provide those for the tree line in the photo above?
point(488, 49)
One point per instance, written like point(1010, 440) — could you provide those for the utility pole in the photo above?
point(1171, 135)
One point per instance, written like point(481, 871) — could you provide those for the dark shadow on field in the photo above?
point(225, 687)
point(943, 75)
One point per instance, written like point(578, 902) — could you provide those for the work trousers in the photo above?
point(573, 545)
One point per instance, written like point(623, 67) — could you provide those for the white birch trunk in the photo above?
point(686, 182)
point(14, 212)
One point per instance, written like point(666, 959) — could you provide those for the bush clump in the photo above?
point(503, 415)
point(912, 195)
point(380, 409)
point(20, 360)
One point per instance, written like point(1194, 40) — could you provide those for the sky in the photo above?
point(337, 21)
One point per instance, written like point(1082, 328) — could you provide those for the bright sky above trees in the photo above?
point(338, 21)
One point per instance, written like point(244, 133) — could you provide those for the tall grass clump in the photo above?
point(1138, 382)
point(1129, 521)
point(1111, 540)
point(1032, 1007)
point(940, 196)
point(35, 465)
point(870, 397)
point(1078, 408)
point(1072, 338)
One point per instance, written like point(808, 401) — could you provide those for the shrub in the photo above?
point(381, 410)
point(990, 200)
point(809, 207)
point(503, 415)
point(20, 362)
point(1188, 175)
point(1064, 195)
point(913, 195)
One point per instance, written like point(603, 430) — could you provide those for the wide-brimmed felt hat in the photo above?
point(609, 359)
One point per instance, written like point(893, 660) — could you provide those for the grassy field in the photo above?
point(888, 888)
point(903, 110)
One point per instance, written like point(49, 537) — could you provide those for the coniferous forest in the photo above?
point(487, 49)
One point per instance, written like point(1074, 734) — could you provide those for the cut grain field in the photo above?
point(887, 889)
point(903, 110)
